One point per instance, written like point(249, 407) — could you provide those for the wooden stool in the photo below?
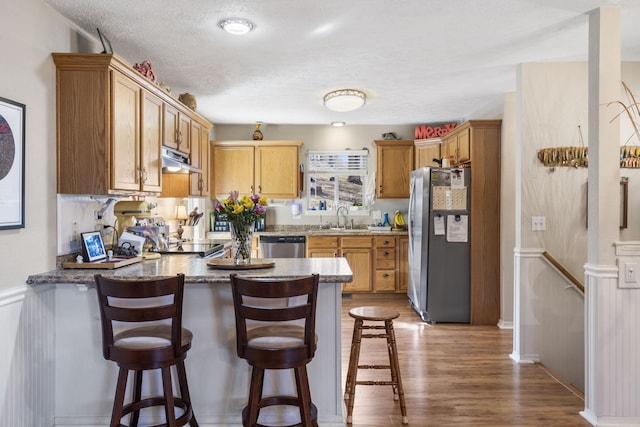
point(275, 342)
point(124, 304)
point(374, 314)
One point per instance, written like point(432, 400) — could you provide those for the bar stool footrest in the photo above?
point(159, 401)
point(278, 401)
point(374, 367)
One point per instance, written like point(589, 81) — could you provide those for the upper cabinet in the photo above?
point(111, 124)
point(395, 161)
point(199, 136)
point(177, 125)
point(426, 150)
point(269, 168)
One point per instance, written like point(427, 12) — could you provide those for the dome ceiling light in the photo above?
point(236, 26)
point(345, 100)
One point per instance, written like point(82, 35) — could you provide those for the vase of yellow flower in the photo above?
point(242, 212)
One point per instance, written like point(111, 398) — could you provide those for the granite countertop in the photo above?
point(196, 270)
point(307, 231)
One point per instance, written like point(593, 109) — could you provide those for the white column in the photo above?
point(612, 380)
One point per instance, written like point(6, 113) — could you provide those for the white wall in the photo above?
point(29, 32)
point(323, 137)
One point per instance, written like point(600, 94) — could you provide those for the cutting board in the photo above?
point(103, 265)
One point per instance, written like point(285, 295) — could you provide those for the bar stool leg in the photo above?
point(255, 394)
point(347, 387)
point(169, 404)
point(304, 395)
point(395, 369)
point(137, 395)
point(353, 368)
point(184, 390)
point(118, 400)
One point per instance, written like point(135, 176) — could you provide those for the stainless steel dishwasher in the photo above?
point(282, 246)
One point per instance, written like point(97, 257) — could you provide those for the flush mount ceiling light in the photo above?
point(236, 25)
point(338, 124)
point(345, 100)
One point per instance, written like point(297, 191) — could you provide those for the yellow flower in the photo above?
point(237, 209)
point(263, 201)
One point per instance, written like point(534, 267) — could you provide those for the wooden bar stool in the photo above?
point(142, 330)
point(274, 342)
point(373, 314)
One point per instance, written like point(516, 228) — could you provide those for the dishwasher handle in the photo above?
point(282, 239)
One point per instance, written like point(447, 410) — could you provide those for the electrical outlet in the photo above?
point(538, 223)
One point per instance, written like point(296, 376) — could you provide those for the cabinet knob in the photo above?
point(386, 242)
point(385, 275)
point(386, 253)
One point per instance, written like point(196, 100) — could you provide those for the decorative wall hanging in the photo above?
point(566, 156)
point(12, 125)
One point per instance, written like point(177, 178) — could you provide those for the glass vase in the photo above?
point(241, 240)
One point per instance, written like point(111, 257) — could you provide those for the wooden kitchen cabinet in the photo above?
point(177, 124)
point(199, 147)
point(358, 252)
point(425, 151)
point(403, 263)
point(386, 263)
point(110, 126)
point(457, 144)
point(322, 246)
point(269, 168)
point(395, 161)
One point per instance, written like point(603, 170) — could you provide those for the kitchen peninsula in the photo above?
point(84, 383)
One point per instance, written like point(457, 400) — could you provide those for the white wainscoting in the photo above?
point(26, 357)
point(550, 318)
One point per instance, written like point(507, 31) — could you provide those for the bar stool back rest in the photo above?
point(112, 295)
point(252, 309)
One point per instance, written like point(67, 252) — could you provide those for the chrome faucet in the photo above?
point(341, 207)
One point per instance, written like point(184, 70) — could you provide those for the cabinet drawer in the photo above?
point(385, 280)
point(356, 242)
point(385, 241)
point(322, 242)
point(385, 258)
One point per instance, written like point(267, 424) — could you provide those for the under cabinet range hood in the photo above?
point(176, 162)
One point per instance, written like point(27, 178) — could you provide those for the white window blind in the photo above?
point(340, 162)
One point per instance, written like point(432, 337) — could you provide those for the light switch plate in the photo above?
point(538, 223)
point(628, 273)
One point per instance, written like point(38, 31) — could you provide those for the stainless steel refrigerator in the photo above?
point(439, 244)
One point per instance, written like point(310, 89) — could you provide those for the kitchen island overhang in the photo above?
point(218, 379)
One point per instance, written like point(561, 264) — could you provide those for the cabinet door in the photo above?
point(204, 162)
point(184, 133)
point(233, 169)
point(195, 181)
point(394, 165)
point(449, 147)
point(359, 260)
point(277, 172)
point(425, 155)
point(171, 128)
point(151, 141)
point(125, 143)
point(464, 152)
point(403, 263)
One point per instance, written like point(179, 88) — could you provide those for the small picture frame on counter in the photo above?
point(93, 247)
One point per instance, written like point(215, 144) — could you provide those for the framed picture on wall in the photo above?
point(12, 145)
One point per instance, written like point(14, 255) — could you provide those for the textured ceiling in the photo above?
point(419, 61)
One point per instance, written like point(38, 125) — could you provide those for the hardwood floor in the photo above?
point(454, 375)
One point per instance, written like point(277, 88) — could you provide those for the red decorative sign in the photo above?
point(434, 130)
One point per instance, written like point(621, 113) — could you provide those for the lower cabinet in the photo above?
point(357, 251)
point(379, 263)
